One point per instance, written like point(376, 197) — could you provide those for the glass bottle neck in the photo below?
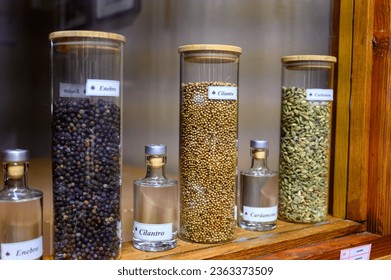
point(15, 175)
point(156, 166)
point(259, 159)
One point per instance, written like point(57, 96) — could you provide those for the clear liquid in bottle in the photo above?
point(155, 205)
point(20, 211)
point(258, 197)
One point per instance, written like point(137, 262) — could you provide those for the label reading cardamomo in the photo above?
point(319, 94)
point(25, 250)
point(72, 90)
point(152, 232)
point(260, 214)
point(222, 93)
point(97, 87)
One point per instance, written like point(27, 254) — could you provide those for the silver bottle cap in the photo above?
point(16, 155)
point(155, 149)
point(259, 144)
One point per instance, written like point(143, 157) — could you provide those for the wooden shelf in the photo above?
point(253, 245)
point(287, 241)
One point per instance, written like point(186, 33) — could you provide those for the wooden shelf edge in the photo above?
point(331, 249)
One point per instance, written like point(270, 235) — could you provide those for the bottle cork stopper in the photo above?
point(156, 161)
point(15, 171)
point(260, 154)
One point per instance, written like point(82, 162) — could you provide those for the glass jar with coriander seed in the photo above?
point(306, 116)
point(86, 88)
point(209, 76)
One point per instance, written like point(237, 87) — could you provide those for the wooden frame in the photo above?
point(341, 47)
point(379, 181)
point(360, 110)
point(361, 173)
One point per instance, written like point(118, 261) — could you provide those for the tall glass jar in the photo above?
point(306, 114)
point(86, 87)
point(209, 76)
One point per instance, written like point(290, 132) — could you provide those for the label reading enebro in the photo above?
point(25, 250)
point(96, 87)
point(152, 232)
point(93, 87)
point(222, 93)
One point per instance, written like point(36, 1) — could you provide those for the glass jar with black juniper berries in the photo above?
point(86, 87)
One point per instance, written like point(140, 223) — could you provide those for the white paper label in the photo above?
point(152, 232)
point(319, 94)
point(25, 250)
point(96, 87)
point(223, 93)
point(72, 90)
point(260, 214)
point(356, 253)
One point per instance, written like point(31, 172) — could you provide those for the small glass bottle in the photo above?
point(21, 211)
point(258, 197)
point(155, 204)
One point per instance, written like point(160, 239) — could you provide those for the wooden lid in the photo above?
point(305, 58)
point(87, 33)
point(210, 47)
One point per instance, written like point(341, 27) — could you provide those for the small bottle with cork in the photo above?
point(258, 191)
point(155, 204)
point(21, 211)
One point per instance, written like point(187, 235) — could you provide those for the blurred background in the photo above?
point(264, 29)
point(154, 29)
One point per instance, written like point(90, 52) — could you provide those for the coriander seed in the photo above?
point(208, 142)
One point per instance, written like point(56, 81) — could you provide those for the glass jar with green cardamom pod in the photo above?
point(306, 115)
